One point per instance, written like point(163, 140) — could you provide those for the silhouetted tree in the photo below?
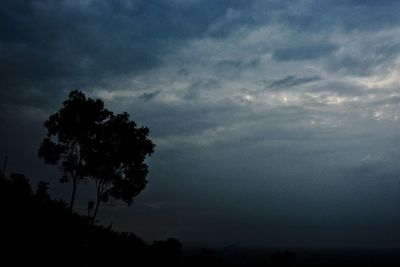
point(69, 132)
point(117, 162)
point(88, 141)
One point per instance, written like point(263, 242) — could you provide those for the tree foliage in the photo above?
point(69, 132)
point(117, 162)
point(88, 141)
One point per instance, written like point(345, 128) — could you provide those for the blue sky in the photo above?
point(276, 122)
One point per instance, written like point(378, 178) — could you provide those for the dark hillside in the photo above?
point(39, 231)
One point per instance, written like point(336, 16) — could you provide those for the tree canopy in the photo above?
point(90, 142)
point(117, 162)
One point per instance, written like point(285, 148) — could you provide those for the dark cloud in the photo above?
point(304, 52)
point(291, 81)
point(237, 64)
point(52, 46)
point(195, 89)
point(231, 68)
point(368, 3)
point(370, 57)
point(321, 16)
point(181, 120)
point(149, 96)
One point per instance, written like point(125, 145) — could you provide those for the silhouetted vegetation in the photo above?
point(72, 127)
point(116, 161)
point(39, 231)
point(88, 141)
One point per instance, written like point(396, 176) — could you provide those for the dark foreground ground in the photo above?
point(36, 230)
point(313, 257)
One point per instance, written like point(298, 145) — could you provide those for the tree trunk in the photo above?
point(74, 184)
point(99, 193)
point(95, 211)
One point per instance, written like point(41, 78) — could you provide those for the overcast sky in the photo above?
point(277, 123)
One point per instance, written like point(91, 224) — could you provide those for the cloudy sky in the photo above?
point(277, 123)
